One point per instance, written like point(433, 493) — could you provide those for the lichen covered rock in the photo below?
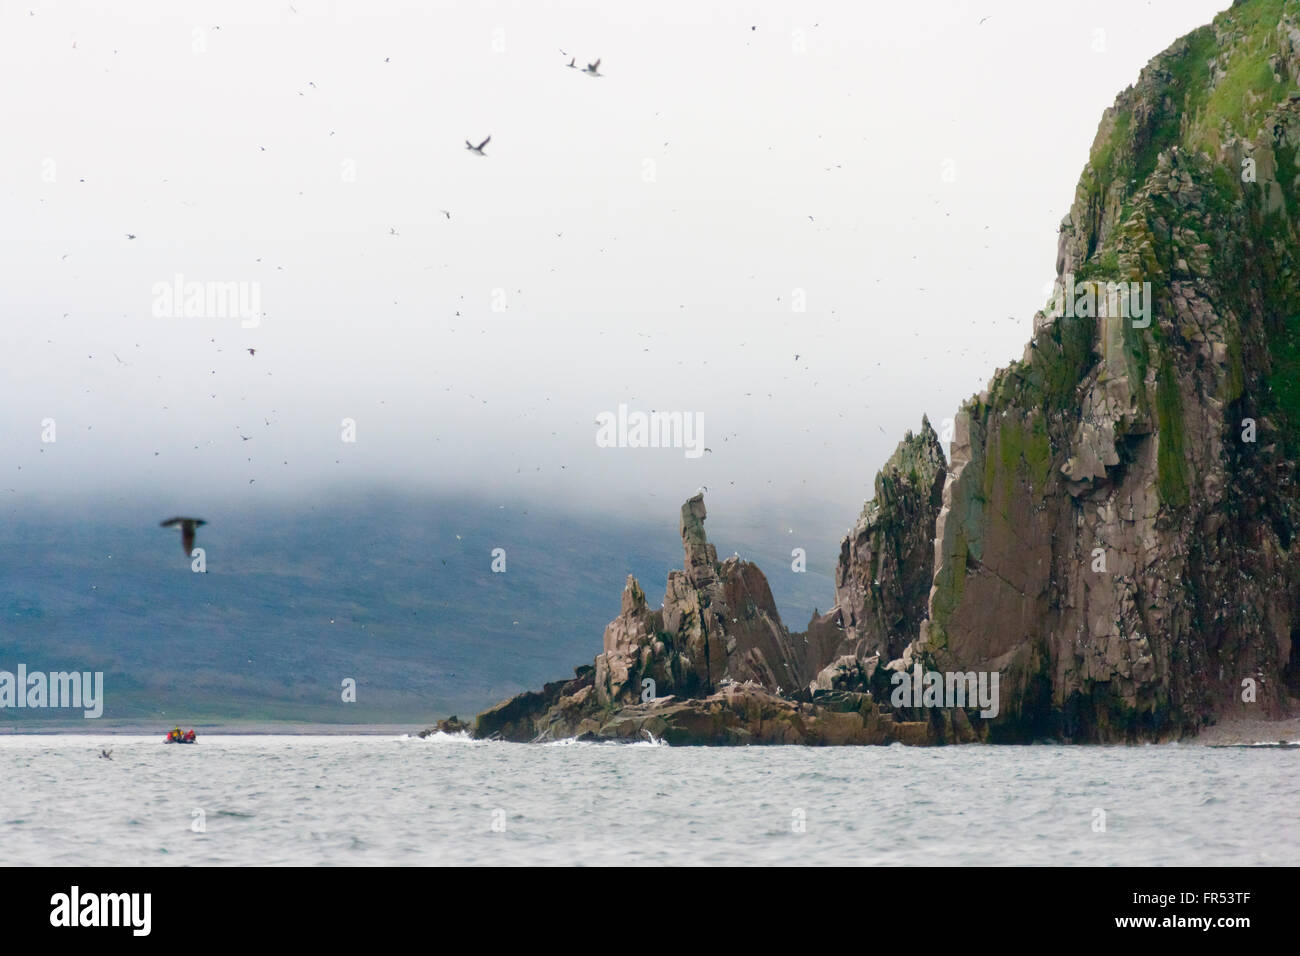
point(1108, 540)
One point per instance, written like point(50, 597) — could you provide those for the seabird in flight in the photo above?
point(593, 69)
point(187, 530)
point(479, 148)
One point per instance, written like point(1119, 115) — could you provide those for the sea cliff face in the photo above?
point(1113, 533)
point(1117, 527)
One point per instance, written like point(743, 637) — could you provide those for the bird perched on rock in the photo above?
point(479, 148)
point(187, 530)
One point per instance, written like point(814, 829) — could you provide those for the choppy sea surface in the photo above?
point(369, 800)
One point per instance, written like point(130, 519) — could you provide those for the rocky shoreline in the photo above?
point(1250, 733)
point(706, 668)
point(737, 715)
point(1113, 535)
point(845, 704)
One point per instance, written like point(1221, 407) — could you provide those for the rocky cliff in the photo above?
point(1114, 532)
point(1116, 535)
point(883, 576)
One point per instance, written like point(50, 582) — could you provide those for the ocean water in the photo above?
point(370, 800)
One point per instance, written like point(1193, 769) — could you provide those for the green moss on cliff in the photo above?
point(1101, 163)
point(1235, 375)
point(949, 584)
point(1171, 464)
point(1248, 90)
point(1023, 453)
point(1284, 382)
point(1216, 81)
point(1285, 157)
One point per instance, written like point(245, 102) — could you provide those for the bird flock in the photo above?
point(479, 149)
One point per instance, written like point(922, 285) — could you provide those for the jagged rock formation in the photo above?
point(714, 665)
point(718, 623)
point(1115, 531)
point(882, 579)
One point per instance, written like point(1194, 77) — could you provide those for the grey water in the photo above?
point(370, 800)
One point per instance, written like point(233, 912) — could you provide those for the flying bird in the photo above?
point(187, 530)
point(479, 148)
point(593, 69)
point(130, 235)
point(573, 63)
point(105, 754)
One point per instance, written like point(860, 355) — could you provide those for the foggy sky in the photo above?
point(648, 232)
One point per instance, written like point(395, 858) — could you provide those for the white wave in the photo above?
point(460, 737)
